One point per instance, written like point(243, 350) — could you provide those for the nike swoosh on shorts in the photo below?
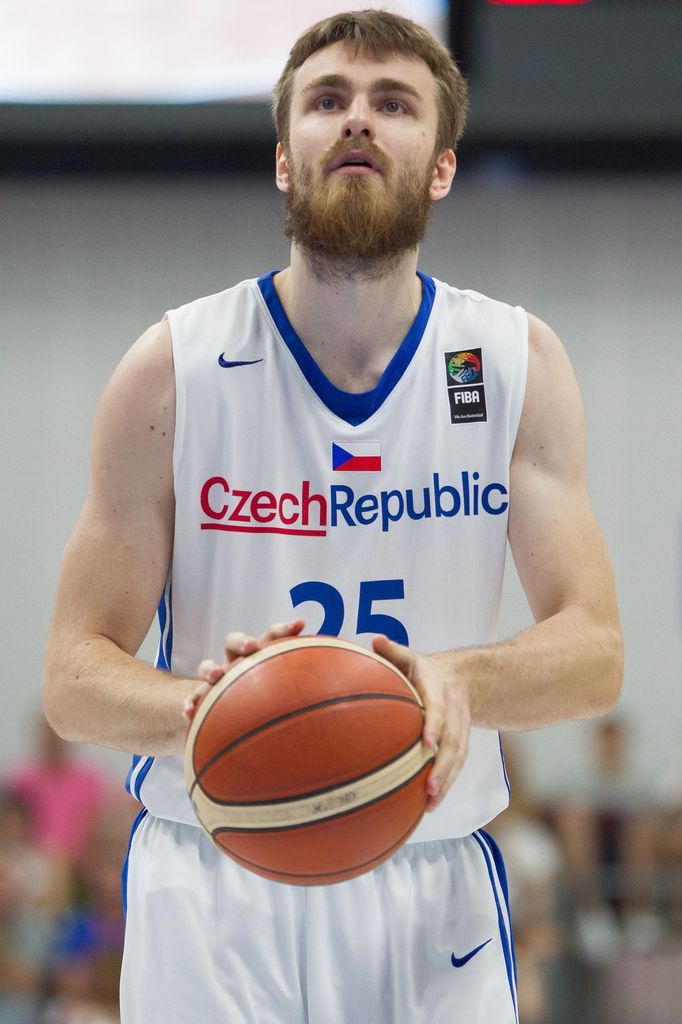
point(460, 961)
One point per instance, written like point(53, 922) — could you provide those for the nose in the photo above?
point(358, 122)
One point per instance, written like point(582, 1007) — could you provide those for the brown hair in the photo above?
point(377, 34)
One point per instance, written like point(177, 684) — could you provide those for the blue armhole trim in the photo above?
point(504, 765)
point(164, 651)
point(124, 874)
point(164, 654)
point(129, 777)
point(495, 865)
point(134, 786)
point(353, 408)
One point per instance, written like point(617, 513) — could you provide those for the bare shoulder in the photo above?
point(135, 421)
point(144, 379)
point(546, 354)
point(551, 433)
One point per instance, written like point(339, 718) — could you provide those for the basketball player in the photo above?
point(347, 442)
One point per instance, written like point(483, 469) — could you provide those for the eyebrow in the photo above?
point(379, 85)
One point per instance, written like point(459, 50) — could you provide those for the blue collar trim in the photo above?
point(353, 408)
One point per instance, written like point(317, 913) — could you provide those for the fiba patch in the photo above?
point(466, 390)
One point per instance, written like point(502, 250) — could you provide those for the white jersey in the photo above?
point(382, 512)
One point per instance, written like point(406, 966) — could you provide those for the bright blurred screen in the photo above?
point(160, 51)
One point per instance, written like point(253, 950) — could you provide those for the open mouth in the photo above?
point(355, 163)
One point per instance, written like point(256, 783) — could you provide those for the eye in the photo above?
point(326, 103)
point(395, 107)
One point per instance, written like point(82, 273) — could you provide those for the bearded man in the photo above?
point(351, 439)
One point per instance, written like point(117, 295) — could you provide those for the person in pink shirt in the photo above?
point(64, 796)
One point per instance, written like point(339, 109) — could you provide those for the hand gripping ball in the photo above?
point(305, 762)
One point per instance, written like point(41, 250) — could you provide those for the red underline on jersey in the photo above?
point(264, 529)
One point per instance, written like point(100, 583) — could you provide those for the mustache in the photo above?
point(341, 147)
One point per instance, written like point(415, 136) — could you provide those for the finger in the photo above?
point(457, 765)
point(452, 753)
point(442, 788)
point(238, 645)
point(406, 661)
point(400, 656)
point(210, 671)
point(192, 702)
point(280, 630)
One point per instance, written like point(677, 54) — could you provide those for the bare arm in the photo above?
point(115, 569)
point(568, 665)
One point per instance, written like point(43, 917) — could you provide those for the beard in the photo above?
point(356, 224)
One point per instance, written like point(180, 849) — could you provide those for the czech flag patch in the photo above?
point(356, 456)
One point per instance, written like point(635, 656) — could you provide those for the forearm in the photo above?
point(96, 693)
point(568, 666)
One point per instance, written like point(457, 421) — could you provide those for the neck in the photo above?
point(351, 319)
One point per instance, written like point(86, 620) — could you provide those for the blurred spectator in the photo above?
point(33, 890)
point(670, 846)
point(534, 865)
point(607, 826)
point(64, 795)
point(63, 838)
point(86, 960)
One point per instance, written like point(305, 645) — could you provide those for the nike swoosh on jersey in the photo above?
point(460, 961)
point(227, 363)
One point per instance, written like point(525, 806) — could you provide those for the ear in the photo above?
point(443, 173)
point(281, 169)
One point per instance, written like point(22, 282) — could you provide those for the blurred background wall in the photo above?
point(568, 201)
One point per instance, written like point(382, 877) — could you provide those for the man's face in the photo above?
point(360, 172)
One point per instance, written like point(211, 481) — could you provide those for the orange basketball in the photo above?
point(305, 763)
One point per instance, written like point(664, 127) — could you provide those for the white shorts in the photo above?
point(423, 939)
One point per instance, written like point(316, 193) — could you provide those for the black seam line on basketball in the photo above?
point(333, 645)
point(293, 714)
point(326, 818)
point(245, 668)
point(302, 797)
point(331, 874)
